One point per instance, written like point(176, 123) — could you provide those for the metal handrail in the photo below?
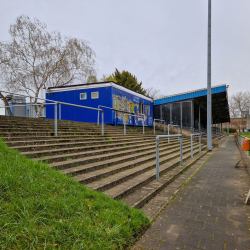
point(192, 136)
point(60, 103)
point(124, 123)
point(100, 106)
point(171, 125)
point(78, 106)
point(161, 121)
point(157, 151)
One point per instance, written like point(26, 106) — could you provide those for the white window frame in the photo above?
point(147, 107)
point(141, 108)
point(85, 96)
point(95, 97)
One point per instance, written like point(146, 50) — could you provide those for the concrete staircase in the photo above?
point(122, 166)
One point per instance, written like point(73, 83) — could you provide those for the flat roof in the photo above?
point(99, 85)
point(189, 95)
point(220, 110)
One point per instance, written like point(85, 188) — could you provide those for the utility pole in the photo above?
point(209, 99)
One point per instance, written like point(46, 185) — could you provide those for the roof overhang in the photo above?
point(96, 85)
point(220, 108)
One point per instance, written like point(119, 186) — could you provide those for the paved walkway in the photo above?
point(209, 212)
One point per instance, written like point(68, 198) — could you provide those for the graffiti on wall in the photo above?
point(123, 104)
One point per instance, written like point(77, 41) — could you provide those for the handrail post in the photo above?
point(124, 124)
point(157, 159)
point(60, 111)
point(154, 126)
point(200, 142)
point(102, 122)
point(55, 119)
point(143, 122)
point(168, 133)
point(191, 146)
point(98, 115)
point(158, 154)
point(181, 150)
point(31, 108)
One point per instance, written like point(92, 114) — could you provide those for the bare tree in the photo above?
point(37, 59)
point(3, 61)
point(239, 103)
point(153, 93)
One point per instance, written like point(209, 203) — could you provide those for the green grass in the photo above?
point(246, 134)
point(42, 209)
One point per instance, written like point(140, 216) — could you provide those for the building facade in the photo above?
point(108, 94)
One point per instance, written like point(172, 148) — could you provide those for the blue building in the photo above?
point(107, 94)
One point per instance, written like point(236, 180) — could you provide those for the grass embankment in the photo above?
point(42, 209)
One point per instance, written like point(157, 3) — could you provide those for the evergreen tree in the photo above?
point(126, 79)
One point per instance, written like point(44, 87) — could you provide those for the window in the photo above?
point(147, 110)
point(83, 96)
point(141, 108)
point(94, 95)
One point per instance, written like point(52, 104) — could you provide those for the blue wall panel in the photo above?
point(67, 112)
point(81, 114)
point(87, 115)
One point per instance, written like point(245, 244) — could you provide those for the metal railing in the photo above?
point(157, 151)
point(161, 121)
point(78, 106)
point(170, 125)
point(124, 122)
point(192, 137)
point(100, 106)
point(55, 108)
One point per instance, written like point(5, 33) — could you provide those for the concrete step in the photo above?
point(124, 189)
point(91, 143)
point(61, 133)
point(38, 151)
point(40, 128)
point(112, 176)
point(126, 161)
point(100, 155)
point(68, 139)
point(87, 135)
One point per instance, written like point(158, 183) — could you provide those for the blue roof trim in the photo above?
point(191, 95)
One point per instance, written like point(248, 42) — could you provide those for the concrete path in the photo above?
point(209, 212)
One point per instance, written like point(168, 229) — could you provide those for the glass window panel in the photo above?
point(166, 113)
point(176, 114)
point(186, 116)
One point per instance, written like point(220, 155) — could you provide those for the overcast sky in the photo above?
point(162, 42)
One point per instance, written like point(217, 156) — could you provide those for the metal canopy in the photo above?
point(220, 110)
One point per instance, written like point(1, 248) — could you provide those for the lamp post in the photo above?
point(209, 99)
